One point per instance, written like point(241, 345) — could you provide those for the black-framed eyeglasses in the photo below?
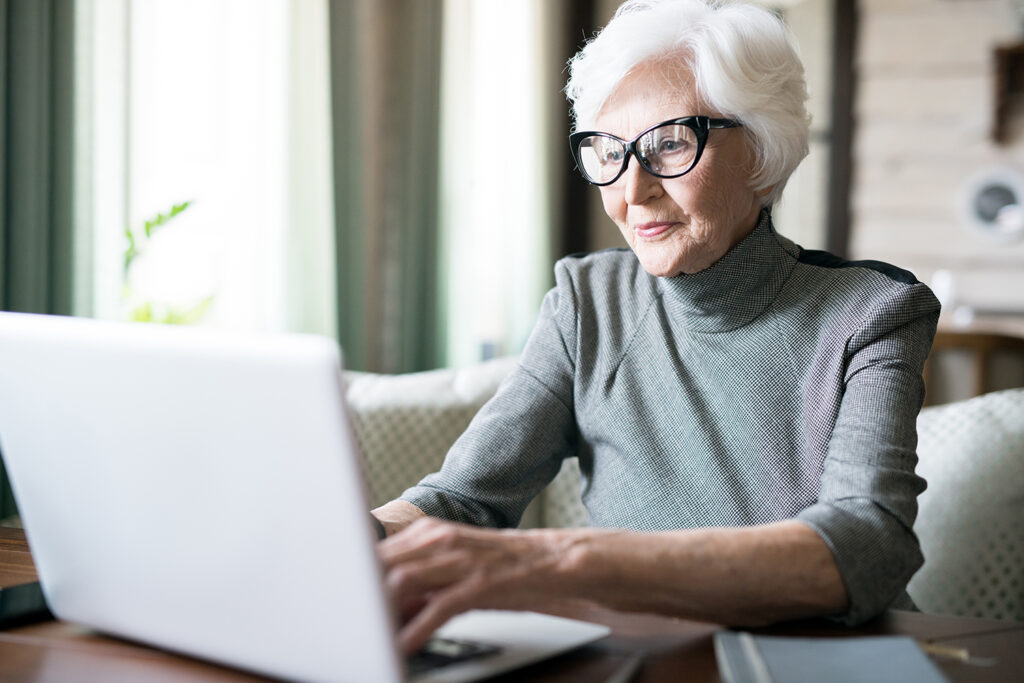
point(667, 150)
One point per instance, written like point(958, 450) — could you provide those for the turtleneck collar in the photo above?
point(736, 288)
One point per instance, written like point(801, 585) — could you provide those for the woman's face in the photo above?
point(677, 225)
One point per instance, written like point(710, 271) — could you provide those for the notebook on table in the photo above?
point(201, 492)
point(748, 658)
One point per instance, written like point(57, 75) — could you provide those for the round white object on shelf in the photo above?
point(993, 203)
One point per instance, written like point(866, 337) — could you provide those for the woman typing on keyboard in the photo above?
point(743, 410)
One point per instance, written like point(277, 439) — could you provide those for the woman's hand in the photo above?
point(435, 570)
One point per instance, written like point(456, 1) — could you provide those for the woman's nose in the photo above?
point(640, 186)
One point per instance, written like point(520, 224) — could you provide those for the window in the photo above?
point(501, 99)
point(219, 109)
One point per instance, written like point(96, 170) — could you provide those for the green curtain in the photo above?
point(386, 95)
point(36, 146)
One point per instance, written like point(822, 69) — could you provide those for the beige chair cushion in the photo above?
point(972, 514)
point(561, 505)
point(405, 424)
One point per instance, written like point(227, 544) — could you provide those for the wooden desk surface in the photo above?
point(673, 649)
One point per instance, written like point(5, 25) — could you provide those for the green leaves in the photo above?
point(131, 251)
point(134, 248)
point(150, 311)
point(162, 219)
point(149, 227)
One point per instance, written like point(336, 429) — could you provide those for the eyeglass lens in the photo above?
point(666, 150)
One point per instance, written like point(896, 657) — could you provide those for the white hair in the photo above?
point(743, 62)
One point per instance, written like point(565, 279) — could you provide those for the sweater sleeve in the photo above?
point(867, 502)
point(516, 443)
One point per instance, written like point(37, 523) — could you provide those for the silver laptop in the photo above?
point(202, 492)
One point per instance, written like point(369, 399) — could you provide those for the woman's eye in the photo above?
point(671, 145)
point(611, 156)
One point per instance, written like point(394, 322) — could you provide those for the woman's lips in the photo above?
point(650, 230)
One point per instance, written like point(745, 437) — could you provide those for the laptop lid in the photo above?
point(202, 492)
point(188, 489)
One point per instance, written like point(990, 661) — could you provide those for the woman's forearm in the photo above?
point(744, 576)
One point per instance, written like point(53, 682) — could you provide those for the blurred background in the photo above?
point(395, 173)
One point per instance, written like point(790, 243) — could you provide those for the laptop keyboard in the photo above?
point(439, 652)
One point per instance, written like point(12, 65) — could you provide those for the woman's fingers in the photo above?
point(415, 578)
point(408, 609)
point(441, 607)
point(435, 570)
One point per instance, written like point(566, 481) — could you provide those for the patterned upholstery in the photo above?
point(971, 516)
point(561, 503)
point(971, 453)
point(406, 423)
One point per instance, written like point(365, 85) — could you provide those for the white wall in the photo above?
point(924, 110)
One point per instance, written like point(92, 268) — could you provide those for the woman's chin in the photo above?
point(660, 264)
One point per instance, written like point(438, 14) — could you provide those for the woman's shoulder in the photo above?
point(839, 267)
point(866, 279)
point(609, 283)
point(861, 292)
point(606, 273)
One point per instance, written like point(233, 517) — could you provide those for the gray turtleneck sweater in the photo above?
point(778, 383)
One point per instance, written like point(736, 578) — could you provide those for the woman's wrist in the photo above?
point(396, 515)
point(581, 568)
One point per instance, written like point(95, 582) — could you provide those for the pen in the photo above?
point(958, 653)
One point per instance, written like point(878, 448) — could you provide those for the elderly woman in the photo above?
point(743, 409)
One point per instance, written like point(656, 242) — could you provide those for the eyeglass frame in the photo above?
point(700, 125)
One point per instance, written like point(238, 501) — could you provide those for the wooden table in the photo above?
point(673, 649)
